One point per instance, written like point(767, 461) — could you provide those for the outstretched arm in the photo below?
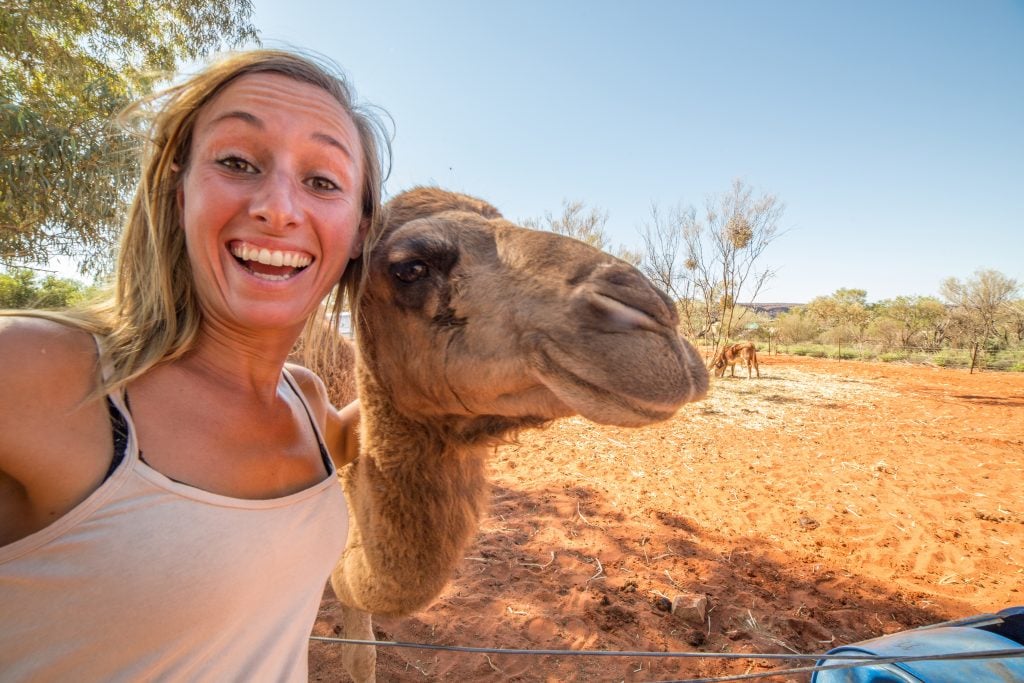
point(342, 433)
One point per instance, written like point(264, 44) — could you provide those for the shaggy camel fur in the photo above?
point(469, 328)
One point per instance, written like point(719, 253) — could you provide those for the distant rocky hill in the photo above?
point(772, 309)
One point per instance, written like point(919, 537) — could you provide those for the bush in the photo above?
point(952, 358)
point(1008, 360)
point(813, 353)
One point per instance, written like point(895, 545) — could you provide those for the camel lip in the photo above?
point(610, 408)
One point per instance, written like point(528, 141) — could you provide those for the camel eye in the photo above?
point(410, 271)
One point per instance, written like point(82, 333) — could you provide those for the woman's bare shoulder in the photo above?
point(54, 445)
point(37, 351)
point(47, 370)
point(311, 386)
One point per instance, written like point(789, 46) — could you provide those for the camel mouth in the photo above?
point(623, 315)
point(269, 264)
point(594, 402)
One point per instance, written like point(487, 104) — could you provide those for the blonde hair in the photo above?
point(151, 315)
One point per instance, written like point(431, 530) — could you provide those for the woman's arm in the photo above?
point(55, 445)
point(342, 433)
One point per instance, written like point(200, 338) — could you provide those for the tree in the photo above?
point(899, 322)
point(979, 304)
point(1015, 319)
point(670, 263)
point(575, 222)
point(630, 256)
point(67, 67)
point(709, 262)
point(795, 326)
point(740, 227)
point(843, 314)
point(20, 288)
point(585, 226)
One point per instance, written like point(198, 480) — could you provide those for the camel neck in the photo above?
point(413, 488)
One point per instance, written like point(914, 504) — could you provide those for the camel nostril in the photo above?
point(627, 298)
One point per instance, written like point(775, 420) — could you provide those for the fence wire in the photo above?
point(842, 661)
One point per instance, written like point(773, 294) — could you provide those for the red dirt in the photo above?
point(826, 503)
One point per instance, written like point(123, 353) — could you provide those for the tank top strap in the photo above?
point(121, 426)
point(328, 462)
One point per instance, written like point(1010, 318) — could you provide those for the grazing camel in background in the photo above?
point(730, 355)
point(468, 329)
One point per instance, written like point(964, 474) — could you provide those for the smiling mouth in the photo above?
point(270, 264)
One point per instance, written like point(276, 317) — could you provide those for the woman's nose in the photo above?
point(275, 203)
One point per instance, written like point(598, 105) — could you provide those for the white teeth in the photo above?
point(292, 259)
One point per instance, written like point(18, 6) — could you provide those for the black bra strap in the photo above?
point(119, 429)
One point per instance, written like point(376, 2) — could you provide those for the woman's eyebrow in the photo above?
point(242, 115)
point(255, 121)
point(333, 142)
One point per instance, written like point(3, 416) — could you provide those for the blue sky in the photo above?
point(892, 131)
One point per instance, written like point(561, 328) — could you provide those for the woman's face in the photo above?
point(271, 201)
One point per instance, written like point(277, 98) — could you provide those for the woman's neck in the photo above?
point(249, 362)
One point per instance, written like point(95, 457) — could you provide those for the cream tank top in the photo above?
point(152, 580)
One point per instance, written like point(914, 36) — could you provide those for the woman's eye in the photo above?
point(237, 164)
point(321, 184)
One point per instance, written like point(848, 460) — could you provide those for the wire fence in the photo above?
point(822, 662)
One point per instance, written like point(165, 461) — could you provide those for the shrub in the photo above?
point(952, 358)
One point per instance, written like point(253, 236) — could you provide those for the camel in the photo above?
point(469, 329)
point(730, 355)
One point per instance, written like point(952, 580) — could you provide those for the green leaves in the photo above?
point(21, 289)
point(67, 67)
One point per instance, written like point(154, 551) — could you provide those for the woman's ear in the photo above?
point(357, 247)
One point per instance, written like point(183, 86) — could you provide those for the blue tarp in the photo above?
point(987, 632)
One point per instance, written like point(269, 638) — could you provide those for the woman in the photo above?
point(168, 506)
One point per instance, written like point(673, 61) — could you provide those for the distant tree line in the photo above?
point(982, 314)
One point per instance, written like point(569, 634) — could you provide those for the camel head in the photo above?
point(718, 364)
point(468, 318)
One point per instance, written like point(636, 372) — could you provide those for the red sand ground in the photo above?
point(826, 503)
